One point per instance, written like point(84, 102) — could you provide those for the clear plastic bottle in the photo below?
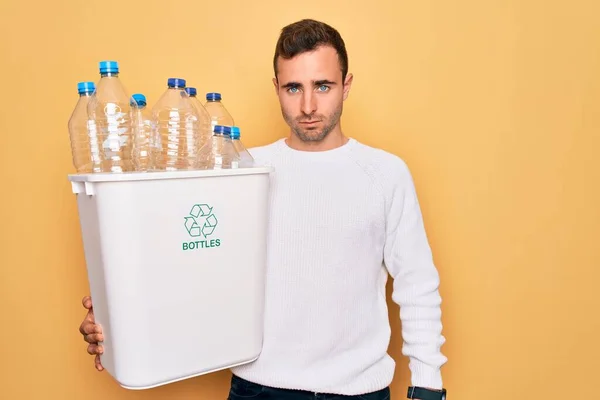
point(219, 153)
point(205, 121)
point(85, 146)
point(175, 131)
point(246, 159)
point(142, 133)
point(217, 111)
point(110, 109)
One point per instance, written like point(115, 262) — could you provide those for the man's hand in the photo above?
point(92, 333)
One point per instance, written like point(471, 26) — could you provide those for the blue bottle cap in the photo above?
point(176, 83)
point(222, 129)
point(235, 132)
point(191, 91)
point(109, 67)
point(86, 87)
point(213, 96)
point(139, 99)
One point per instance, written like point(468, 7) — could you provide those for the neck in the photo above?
point(334, 139)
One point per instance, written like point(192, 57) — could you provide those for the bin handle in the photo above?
point(83, 188)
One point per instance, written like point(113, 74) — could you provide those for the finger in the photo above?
point(87, 328)
point(99, 366)
point(94, 338)
point(87, 302)
point(94, 349)
point(85, 325)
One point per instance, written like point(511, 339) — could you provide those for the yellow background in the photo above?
point(495, 106)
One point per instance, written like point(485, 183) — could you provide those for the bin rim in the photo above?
point(161, 175)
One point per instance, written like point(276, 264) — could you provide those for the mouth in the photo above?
point(309, 123)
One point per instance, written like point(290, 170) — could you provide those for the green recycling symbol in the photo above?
point(201, 221)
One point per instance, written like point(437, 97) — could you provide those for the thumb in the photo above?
point(87, 302)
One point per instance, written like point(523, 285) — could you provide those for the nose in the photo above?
point(309, 103)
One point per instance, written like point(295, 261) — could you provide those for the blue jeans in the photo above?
point(241, 389)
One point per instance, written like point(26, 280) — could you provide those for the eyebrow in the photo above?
point(324, 82)
point(315, 83)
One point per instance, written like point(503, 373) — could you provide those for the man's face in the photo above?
point(311, 92)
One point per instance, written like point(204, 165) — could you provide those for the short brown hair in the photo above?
point(306, 35)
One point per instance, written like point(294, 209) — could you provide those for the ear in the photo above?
point(347, 85)
point(276, 84)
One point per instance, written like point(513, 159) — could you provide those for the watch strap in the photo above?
point(415, 392)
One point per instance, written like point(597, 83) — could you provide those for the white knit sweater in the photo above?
point(340, 220)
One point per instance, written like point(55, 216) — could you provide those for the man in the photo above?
point(326, 329)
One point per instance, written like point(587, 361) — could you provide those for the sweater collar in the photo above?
point(343, 149)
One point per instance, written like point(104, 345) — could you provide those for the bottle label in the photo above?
point(116, 128)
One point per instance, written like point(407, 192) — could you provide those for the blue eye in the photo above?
point(293, 89)
point(323, 88)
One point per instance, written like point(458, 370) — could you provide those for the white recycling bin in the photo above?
point(176, 267)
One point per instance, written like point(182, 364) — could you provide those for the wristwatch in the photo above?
point(420, 393)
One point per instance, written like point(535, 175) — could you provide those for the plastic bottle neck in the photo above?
point(85, 94)
point(107, 74)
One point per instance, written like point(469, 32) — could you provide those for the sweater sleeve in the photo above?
point(408, 258)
